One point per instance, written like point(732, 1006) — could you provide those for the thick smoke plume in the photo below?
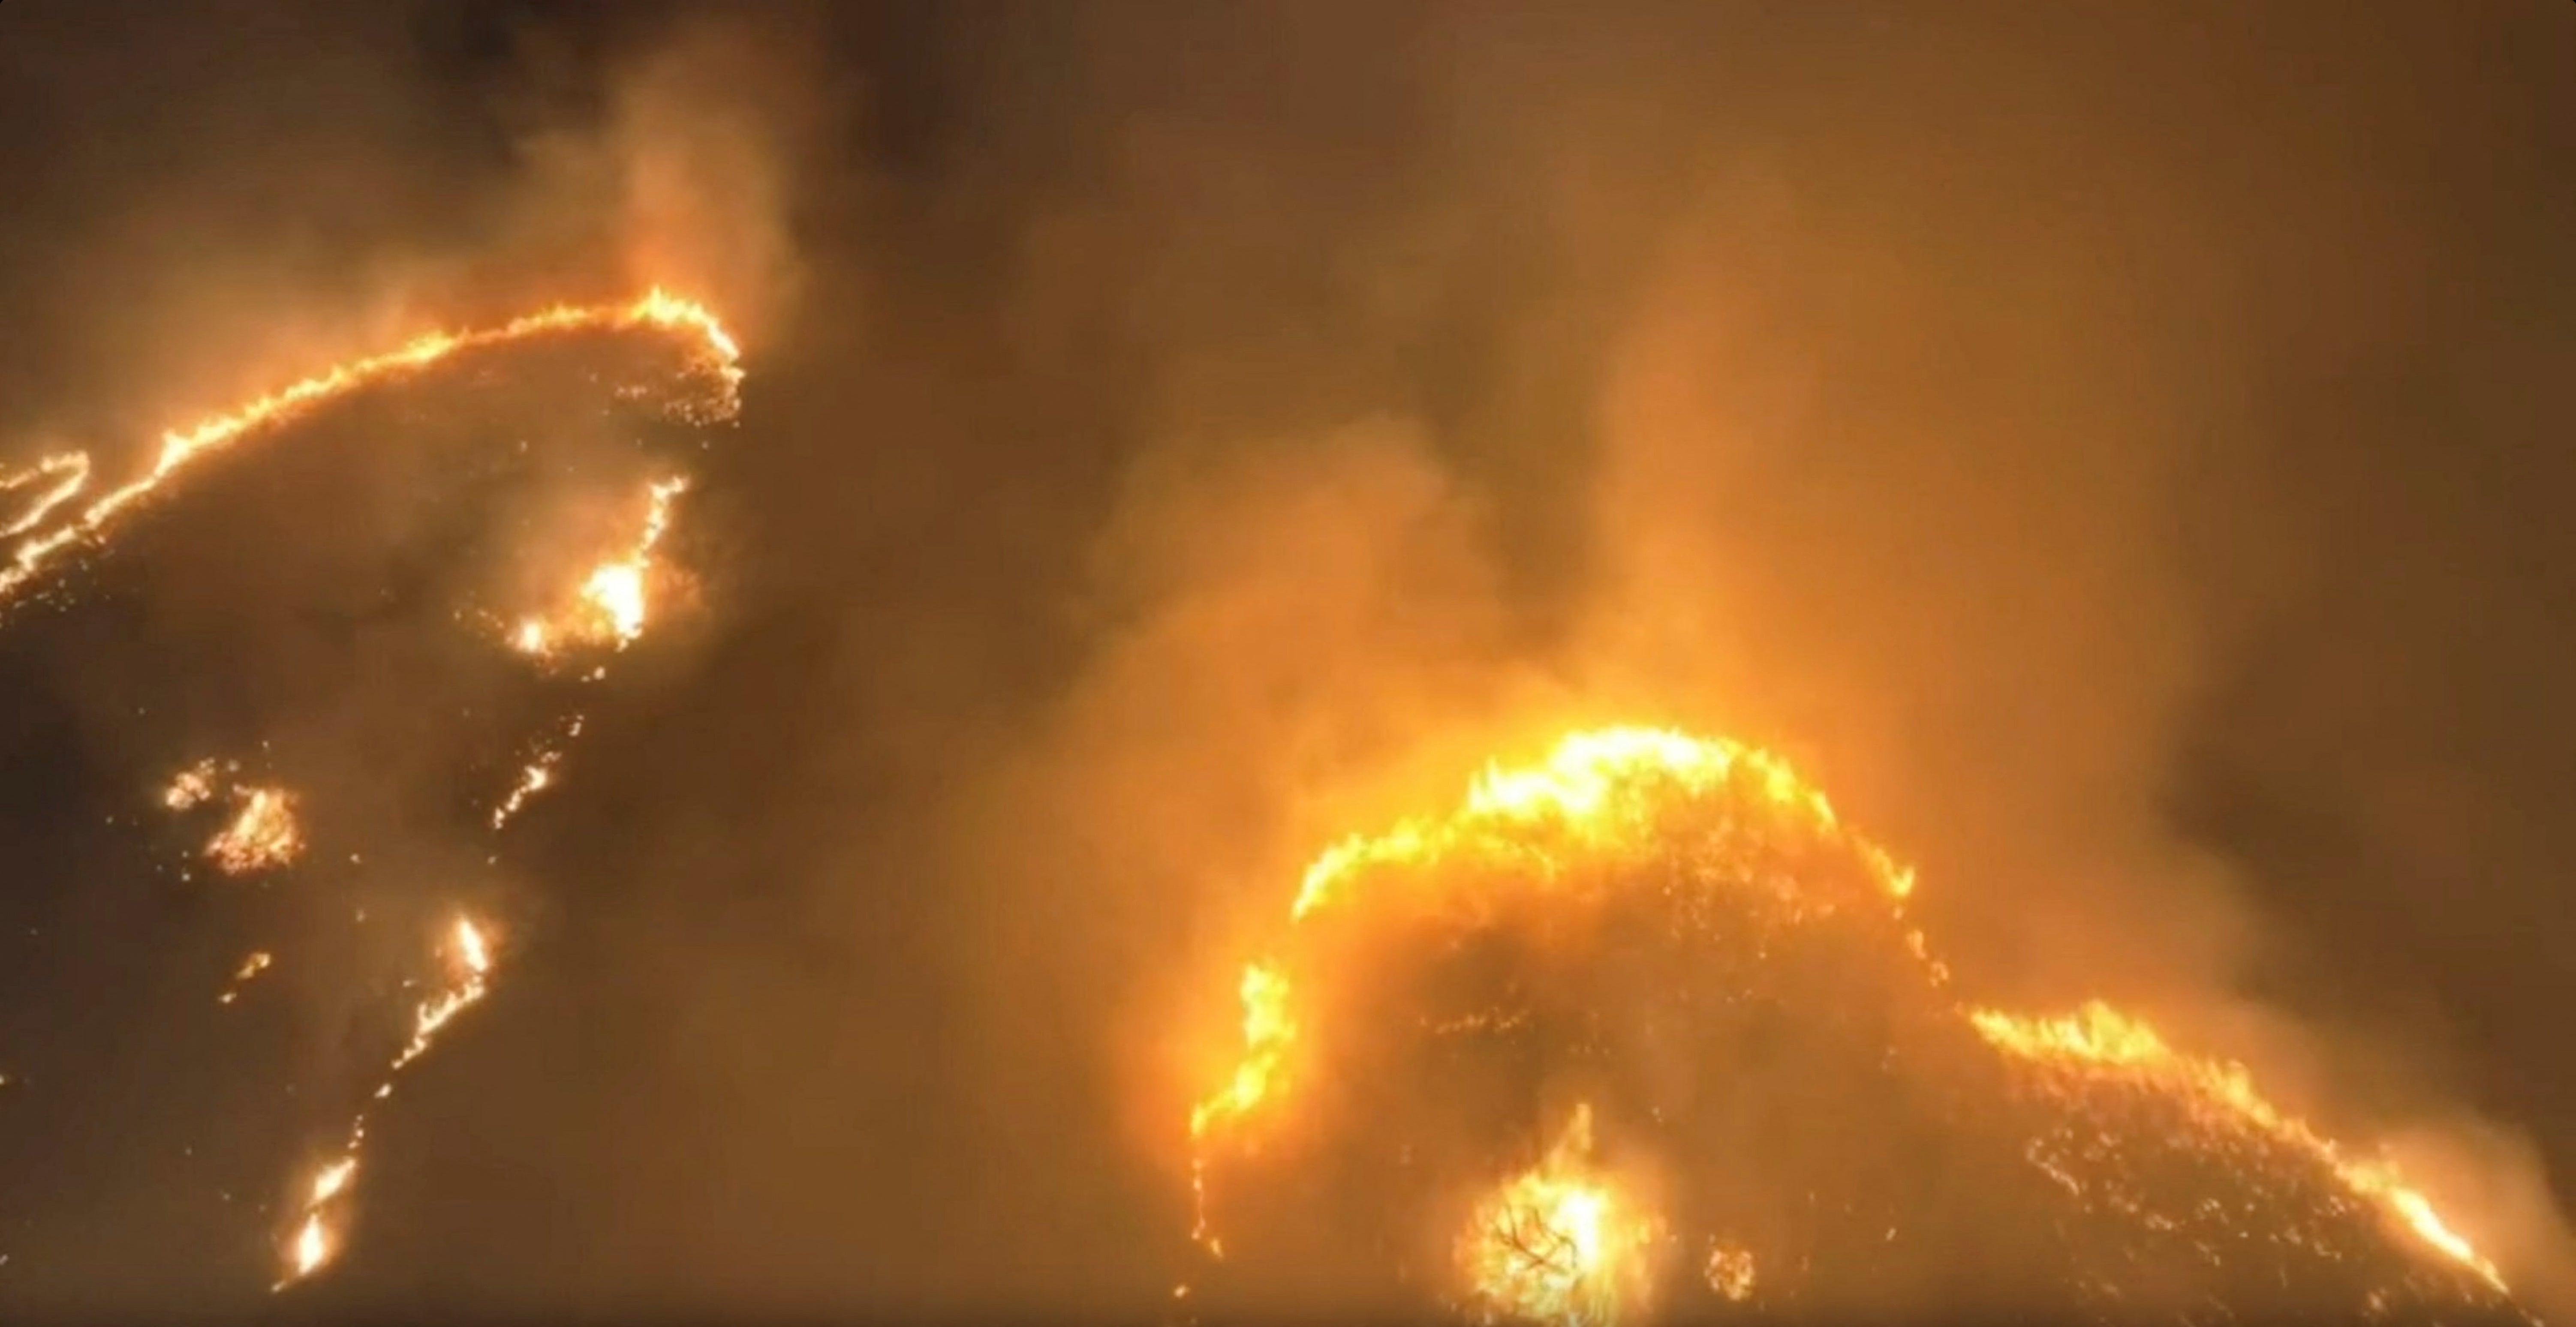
point(1179, 436)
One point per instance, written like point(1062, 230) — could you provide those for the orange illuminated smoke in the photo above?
point(1558, 1244)
point(180, 448)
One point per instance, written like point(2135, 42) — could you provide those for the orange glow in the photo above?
point(612, 605)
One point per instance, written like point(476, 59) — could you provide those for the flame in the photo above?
point(2098, 1040)
point(263, 834)
point(1267, 1031)
point(1588, 789)
point(1557, 1244)
point(472, 961)
point(312, 1247)
point(70, 473)
point(537, 775)
point(657, 310)
point(469, 959)
point(611, 604)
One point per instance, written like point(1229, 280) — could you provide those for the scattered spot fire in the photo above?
point(1765, 1094)
point(263, 832)
point(43, 534)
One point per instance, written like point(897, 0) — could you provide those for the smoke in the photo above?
point(1179, 436)
point(1793, 420)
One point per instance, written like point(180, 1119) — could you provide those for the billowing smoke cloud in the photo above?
point(1181, 435)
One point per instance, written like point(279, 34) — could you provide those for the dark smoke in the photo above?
point(2110, 447)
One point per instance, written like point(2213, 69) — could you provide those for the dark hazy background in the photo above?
point(2119, 449)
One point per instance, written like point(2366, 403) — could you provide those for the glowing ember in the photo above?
point(2099, 1041)
point(1556, 1244)
point(1730, 1272)
point(263, 833)
point(251, 967)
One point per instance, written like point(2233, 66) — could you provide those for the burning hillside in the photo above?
point(1643, 1033)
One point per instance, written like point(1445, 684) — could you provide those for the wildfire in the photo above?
point(2099, 1041)
point(1599, 790)
point(657, 310)
point(1695, 822)
point(1556, 1244)
point(262, 835)
point(1594, 796)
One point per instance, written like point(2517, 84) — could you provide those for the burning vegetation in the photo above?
point(1757, 1091)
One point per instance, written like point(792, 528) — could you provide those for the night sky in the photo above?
point(2121, 451)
